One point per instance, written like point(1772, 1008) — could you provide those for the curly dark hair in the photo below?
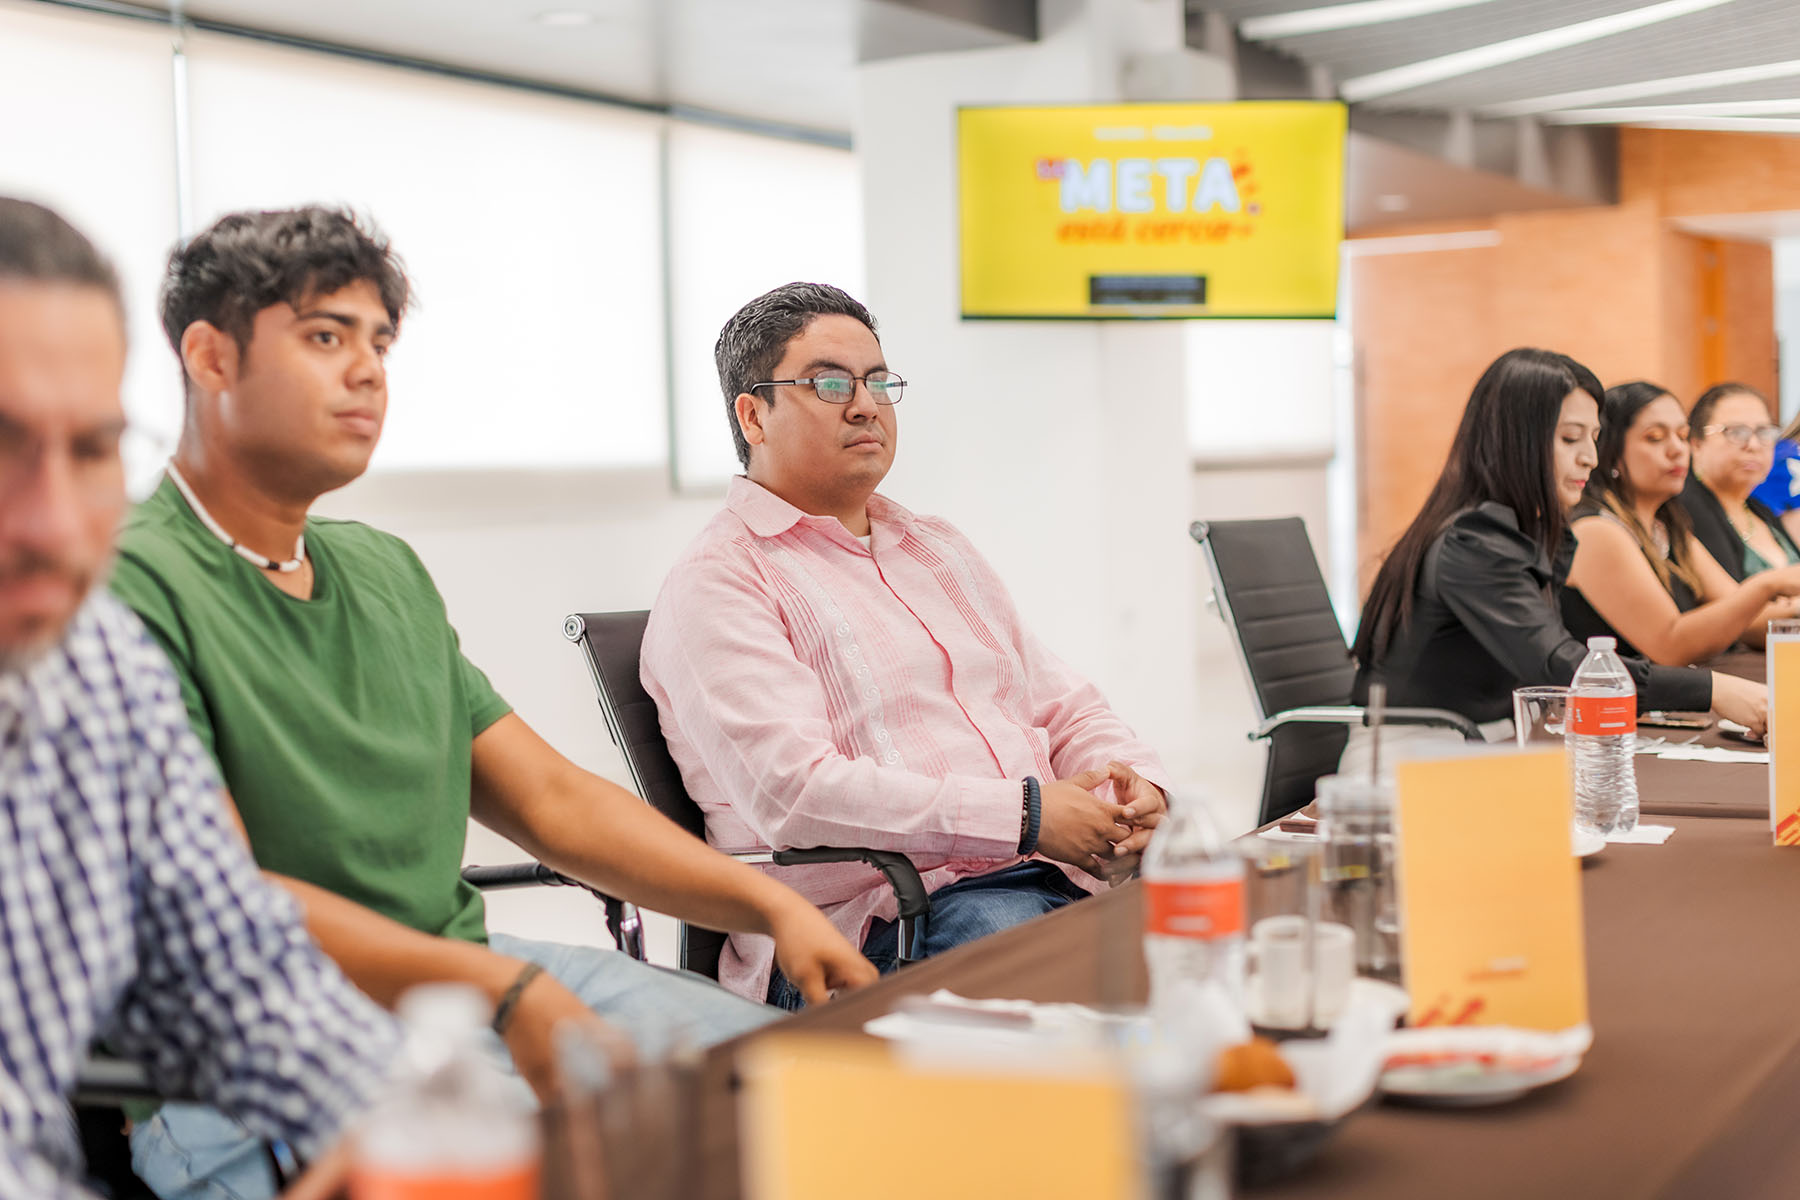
point(248, 261)
point(38, 245)
point(756, 337)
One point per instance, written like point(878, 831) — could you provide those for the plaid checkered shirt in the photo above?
point(132, 913)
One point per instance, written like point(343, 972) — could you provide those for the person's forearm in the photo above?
point(1710, 629)
point(384, 958)
point(1756, 633)
point(326, 1177)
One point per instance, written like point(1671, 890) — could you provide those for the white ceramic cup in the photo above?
point(1278, 973)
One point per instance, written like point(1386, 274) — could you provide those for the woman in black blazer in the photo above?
point(1464, 610)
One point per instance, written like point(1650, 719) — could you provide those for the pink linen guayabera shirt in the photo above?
point(817, 692)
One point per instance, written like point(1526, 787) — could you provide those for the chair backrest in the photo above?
point(611, 643)
point(1267, 586)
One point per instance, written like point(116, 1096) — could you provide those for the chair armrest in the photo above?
point(104, 1080)
point(516, 875)
point(1350, 714)
point(902, 876)
point(622, 919)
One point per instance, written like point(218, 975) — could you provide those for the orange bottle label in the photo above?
point(515, 1182)
point(1206, 909)
point(1607, 716)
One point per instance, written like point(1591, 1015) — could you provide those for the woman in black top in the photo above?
point(1464, 609)
point(1639, 574)
point(1734, 445)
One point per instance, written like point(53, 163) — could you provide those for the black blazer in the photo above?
point(1485, 621)
point(1714, 529)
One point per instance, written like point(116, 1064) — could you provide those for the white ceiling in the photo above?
point(785, 62)
point(1735, 34)
point(789, 62)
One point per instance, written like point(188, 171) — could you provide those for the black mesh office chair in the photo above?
point(1267, 587)
point(612, 642)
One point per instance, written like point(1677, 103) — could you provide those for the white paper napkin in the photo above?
point(1643, 835)
point(1713, 754)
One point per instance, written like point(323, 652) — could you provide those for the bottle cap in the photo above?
point(1603, 643)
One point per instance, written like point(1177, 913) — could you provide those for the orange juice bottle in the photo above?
point(452, 1125)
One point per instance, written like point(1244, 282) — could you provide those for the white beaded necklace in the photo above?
point(286, 568)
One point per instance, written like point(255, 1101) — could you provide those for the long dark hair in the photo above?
point(1609, 486)
point(1503, 452)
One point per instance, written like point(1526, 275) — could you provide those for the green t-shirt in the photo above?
point(342, 724)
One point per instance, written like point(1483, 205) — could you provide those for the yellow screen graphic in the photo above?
point(1152, 210)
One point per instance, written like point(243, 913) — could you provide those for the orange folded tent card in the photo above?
point(829, 1117)
point(1784, 732)
point(1490, 893)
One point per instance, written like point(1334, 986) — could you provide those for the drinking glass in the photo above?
point(1539, 715)
point(1357, 871)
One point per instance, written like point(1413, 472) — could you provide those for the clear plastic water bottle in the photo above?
point(1194, 910)
point(451, 1123)
point(1602, 738)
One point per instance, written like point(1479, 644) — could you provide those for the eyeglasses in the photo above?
point(1741, 435)
point(839, 387)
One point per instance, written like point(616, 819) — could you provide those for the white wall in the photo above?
point(1064, 449)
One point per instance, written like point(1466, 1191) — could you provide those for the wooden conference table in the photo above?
point(1690, 1090)
point(1694, 789)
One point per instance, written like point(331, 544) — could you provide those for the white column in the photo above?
point(1061, 447)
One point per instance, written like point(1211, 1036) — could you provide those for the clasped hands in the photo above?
point(1103, 836)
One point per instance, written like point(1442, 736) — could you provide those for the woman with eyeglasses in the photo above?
point(1639, 574)
point(1780, 491)
point(1734, 445)
point(1464, 610)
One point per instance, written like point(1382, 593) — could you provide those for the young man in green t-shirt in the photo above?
point(320, 669)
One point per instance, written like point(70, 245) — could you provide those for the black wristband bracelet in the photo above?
point(503, 1012)
point(1033, 817)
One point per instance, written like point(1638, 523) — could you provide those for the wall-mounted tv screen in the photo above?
point(1151, 210)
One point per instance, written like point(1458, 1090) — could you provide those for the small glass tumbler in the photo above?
point(1357, 868)
point(1540, 715)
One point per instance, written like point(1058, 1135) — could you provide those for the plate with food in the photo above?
point(1466, 1066)
point(1286, 1100)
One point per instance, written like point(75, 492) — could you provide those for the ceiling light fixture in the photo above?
point(1463, 62)
point(565, 18)
point(1637, 114)
point(1644, 89)
point(1729, 125)
point(1344, 16)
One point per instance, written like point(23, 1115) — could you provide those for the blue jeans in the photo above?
point(195, 1152)
point(960, 912)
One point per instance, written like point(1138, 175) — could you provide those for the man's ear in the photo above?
point(209, 355)
point(749, 419)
